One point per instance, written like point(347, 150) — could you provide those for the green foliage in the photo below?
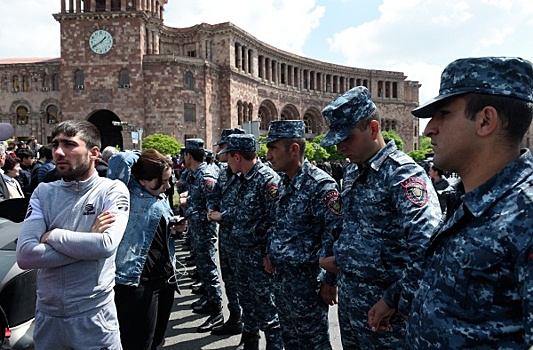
point(392, 135)
point(163, 143)
point(418, 155)
point(425, 143)
point(310, 150)
point(263, 150)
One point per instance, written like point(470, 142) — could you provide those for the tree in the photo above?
point(164, 144)
point(392, 135)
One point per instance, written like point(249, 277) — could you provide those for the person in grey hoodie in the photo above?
point(71, 233)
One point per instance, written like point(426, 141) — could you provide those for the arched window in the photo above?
point(124, 78)
point(250, 112)
point(55, 82)
point(79, 78)
point(52, 115)
point(239, 113)
point(189, 81)
point(16, 83)
point(26, 83)
point(22, 115)
point(46, 82)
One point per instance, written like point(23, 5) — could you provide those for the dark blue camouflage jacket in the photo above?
point(203, 193)
point(307, 217)
point(390, 209)
point(477, 287)
point(251, 211)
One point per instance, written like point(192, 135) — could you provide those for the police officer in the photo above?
point(203, 195)
point(228, 183)
point(251, 216)
point(477, 286)
point(389, 211)
point(308, 216)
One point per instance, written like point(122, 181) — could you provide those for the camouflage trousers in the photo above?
point(204, 235)
point(228, 261)
point(355, 300)
point(302, 313)
point(256, 297)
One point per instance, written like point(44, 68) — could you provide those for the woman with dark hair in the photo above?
point(145, 274)
point(11, 170)
point(440, 183)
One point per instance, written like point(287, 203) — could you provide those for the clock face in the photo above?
point(101, 41)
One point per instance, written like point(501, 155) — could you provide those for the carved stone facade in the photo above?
point(184, 82)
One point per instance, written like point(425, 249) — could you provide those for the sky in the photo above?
point(416, 37)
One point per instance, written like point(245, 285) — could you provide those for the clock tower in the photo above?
point(103, 43)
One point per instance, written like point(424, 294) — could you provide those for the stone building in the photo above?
point(124, 70)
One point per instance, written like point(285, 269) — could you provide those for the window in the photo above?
point(52, 114)
point(26, 83)
point(189, 81)
point(100, 5)
point(79, 78)
point(22, 115)
point(189, 112)
point(240, 118)
point(191, 53)
point(124, 78)
point(189, 136)
point(115, 5)
point(16, 83)
point(46, 82)
point(55, 81)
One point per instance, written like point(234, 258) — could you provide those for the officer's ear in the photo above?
point(374, 129)
point(294, 149)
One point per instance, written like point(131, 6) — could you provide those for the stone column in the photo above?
point(78, 6)
point(70, 6)
point(63, 6)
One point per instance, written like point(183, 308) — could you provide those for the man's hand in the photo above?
point(214, 216)
point(44, 238)
point(179, 225)
point(103, 222)
point(379, 316)
point(328, 294)
point(267, 264)
point(328, 264)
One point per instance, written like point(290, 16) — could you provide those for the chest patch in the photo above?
point(415, 191)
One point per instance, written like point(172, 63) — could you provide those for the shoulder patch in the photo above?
point(332, 200)
point(272, 189)
point(415, 191)
point(209, 184)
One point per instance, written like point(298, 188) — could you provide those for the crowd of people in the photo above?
point(413, 261)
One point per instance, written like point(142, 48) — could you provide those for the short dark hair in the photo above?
point(196, 154)
point(150, 165)
point(437, 170)
point(515, 114)
point(365, 122)
point(87, 131)
point(47, 152)
point(24, 153)
point(300, 141)
point(246, 155)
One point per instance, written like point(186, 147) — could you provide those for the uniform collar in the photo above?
point(480, 199)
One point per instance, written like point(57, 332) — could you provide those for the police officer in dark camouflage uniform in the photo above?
point(390, 209)
point(228, 183)
point(477, 288)
point(308, 216)
point(203, 195)
point(251, 216)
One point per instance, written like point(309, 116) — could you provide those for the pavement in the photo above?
point(181, 331)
